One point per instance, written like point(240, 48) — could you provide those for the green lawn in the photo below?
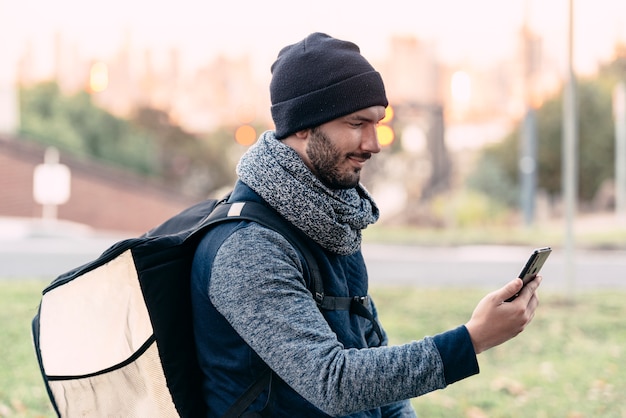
point(609, 235)
point(22, 393)
point(568, 363)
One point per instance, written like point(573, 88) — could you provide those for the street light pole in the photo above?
point(619, 110)
point(570, 159)
point(528, 150)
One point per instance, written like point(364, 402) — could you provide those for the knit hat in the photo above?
point(320, 79)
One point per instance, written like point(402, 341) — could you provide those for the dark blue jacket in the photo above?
point(230, 365)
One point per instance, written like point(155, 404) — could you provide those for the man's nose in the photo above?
point(370, 141)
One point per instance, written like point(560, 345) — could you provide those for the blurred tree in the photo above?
point(75, 125)
point(196, 166)
point(496, 172)
point(492, 175)
point(149, 143)
point(39, 110)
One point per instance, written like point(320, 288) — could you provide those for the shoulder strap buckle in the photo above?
point(363, 300)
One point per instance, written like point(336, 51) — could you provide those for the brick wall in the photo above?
point(101, 197)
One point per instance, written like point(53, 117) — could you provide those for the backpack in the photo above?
point(114, 337)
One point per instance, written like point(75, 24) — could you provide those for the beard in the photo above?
point(326, 160)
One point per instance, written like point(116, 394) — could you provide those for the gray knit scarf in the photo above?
point(332, 218)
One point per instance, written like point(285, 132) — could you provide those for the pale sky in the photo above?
point(478, 31)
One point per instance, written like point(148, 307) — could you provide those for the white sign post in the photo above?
point(51, 184)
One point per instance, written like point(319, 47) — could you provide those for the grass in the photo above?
point(568, 363)
point(22, 393)
point(602, 233)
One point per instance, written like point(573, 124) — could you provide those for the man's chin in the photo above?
point(343, 184)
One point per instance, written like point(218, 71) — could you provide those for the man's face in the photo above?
point(337, 150)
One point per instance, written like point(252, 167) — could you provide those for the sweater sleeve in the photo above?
point(457, 353)
point(262, 294)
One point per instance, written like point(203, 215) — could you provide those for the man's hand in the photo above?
point(495, 321)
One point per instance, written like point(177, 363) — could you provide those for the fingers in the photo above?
point(526, 291)
point(509, 290)
point(494, 322)
point(529, 290)
point(530, 297)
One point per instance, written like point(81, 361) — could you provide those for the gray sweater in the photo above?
point(264, 297)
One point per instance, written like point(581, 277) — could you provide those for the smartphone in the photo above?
point(533, 266)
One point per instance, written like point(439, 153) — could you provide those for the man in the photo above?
point(249, 283)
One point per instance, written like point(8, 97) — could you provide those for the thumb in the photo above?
point(511, 289)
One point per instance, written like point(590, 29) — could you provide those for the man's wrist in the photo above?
point(457, 354)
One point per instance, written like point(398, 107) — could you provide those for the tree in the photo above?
point(148, 143)
point(497, 170)
point(75, 125)
point(197, 166)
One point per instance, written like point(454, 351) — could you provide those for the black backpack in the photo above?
point(114, 337)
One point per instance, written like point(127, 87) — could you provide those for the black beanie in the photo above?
point(320, 79)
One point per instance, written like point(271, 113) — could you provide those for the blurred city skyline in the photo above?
point(477, 33)
point(208, 65)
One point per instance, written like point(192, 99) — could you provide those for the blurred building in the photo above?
point(221, 93)
point(226, 90)
point(101, 197)
point(412, 72)
point(444, 112)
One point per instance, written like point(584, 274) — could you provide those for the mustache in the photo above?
point(361, 155)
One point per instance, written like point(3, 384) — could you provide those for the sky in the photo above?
point(479, 31)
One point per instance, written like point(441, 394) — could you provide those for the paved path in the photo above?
point(36, 249)
point(46, 255)
point(489, 266)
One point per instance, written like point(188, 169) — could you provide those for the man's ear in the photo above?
point(304, 134)
point(298, 141)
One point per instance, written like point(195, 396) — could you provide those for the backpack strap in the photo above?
point(268, 217)
point(243, 402)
